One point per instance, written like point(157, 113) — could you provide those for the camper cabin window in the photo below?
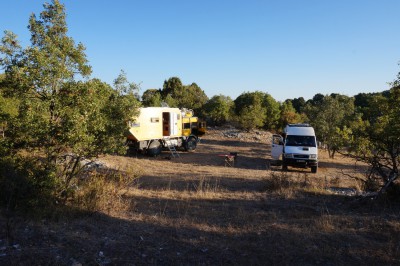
point(134, 124)
point(154, 120)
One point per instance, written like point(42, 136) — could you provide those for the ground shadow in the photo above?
point(209, 232)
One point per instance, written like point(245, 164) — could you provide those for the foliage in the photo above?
point(219, 109)
point(24, 182)
point(151, 97)
point(170, 86)
point(298, 104)
point(124, 87)
point(59, 121)
point(333, 119)
point(257, 109)
point(251, 117)
point(8, 108)
point(272, 112)
point(175, 94)
point(191, 97)
point(288, 115)
point(379, 143)
point(249, 109)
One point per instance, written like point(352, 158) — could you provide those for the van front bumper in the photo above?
point(299, 162)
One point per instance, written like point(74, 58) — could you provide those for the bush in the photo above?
point(24, 184)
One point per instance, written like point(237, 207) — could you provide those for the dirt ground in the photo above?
point(196, 210)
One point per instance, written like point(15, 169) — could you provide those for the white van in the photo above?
point(297, 146)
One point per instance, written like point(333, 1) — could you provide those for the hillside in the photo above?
point(195, 210)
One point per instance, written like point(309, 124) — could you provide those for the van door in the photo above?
point(277, 147)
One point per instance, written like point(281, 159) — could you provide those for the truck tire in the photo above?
point(154, 148)
point(191, 144)
point(131, 151)
point(314, 169)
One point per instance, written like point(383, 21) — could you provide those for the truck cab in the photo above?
point(296, 147)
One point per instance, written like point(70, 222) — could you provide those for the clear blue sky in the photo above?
point(286, 48)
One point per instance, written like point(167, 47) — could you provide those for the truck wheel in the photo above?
point(191, 144)
point(154, 148)
point(314, 169)
point(131, 151)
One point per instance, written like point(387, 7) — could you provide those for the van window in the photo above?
point(306, 141)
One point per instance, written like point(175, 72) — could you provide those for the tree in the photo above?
point(8, 107)
point(66, 120)
point(379, 144)
point(170, 101)
point(170, 86)
point(219, 109)
point(185, 96)
point(250, 109)
point(288, 114)
point(331, 116)
point(123, 86)
point(175, 94)
point(261, 108)
point(151, 97)
point(271, 106)
point(298, 104)
point(191, 97)
point(317, 99)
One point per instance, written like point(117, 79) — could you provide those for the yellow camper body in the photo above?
point(158, 127)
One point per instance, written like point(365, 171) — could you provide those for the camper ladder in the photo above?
point(171, 148)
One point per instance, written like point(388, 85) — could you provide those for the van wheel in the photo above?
point(191, 144)
point(314, 169)
point(154, 148)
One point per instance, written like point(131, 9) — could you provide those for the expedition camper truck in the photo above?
point(156, 128)
point(297, 146)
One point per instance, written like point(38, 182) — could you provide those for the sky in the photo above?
point(287, 48)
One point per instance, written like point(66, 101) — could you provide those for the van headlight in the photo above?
point(313, 156)
point(289, 155)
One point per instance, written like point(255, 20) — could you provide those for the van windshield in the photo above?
point(306, 141)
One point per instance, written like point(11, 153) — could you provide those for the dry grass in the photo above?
point(194, 210)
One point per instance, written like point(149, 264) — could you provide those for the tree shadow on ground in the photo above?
point(312, 230)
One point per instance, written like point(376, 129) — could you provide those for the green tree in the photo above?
point(175, 94)
point(257, 109)
point(191, 97)
point(151, 97)
point(170, 101)
point(379, 143)
point(67, 121)
point(271, 106)
point(219, 109)
point(122, 85)
point(331, 116)
point(298, 104)
point(8, 107)
point(288, 114)
point(250, 110)
point(170, 86)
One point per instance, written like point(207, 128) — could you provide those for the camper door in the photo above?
point(174, 124)
point(277, 147)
